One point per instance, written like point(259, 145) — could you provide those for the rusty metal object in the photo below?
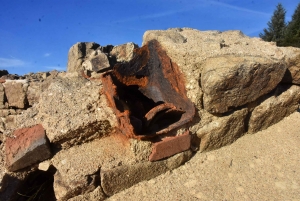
point(148, 94)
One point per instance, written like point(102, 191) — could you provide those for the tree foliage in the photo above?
point(292, 36)
point(276, 27)
point(284, 34)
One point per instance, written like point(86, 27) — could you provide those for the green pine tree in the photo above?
point(276, 27)
point(292, 37)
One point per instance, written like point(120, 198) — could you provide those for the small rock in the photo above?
point(44, 166)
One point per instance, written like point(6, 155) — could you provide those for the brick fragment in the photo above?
point(170, 146)
point(28, 146)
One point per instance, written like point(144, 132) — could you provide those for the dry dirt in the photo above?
point(261, 166)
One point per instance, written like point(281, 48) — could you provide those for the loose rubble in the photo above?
point(121, 115)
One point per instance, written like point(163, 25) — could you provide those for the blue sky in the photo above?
point(35, 35)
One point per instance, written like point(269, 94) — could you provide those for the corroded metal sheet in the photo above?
point(148, 94)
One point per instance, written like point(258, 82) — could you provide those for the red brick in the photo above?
point(29, 146)
point(170, 146)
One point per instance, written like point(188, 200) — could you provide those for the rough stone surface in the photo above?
point(15, 91)
point(2, 95)
point(122, 177)
point(170, 146)
point(78, 167)
point(28, 146)
point(231, 81)
point(264, 166)
point(78, 53)
point(10, 122)
point(96, 62)
point(189, 49)
point(292, 58)
point(72, 110)
point(96, 195)
point(281, 103)
point(141, 149)
point(33, 92)
point(124, 53)
point(222, 131)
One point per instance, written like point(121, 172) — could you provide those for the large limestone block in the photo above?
point(189, 48)
point(280, 103)
point(232, 81)
point(29, 146)
point(77, 55)
point(78, 167)
point(72, 110)
point(222, 131)
point(292, 58)
point(124, 53)
point(15, 91)
point(122, 177)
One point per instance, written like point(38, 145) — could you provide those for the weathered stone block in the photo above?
point(170, 146)
point(122, 177)
point(279, 104)
point(29, 146)
point(222, 131)
point(15, 92)
point(232, 81)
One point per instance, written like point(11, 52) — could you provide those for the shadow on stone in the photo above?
point(37, 187)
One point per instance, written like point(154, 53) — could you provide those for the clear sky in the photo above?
point(36, 35)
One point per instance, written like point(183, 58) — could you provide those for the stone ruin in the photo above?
point(124, 114)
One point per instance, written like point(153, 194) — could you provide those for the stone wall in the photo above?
point(69, 126)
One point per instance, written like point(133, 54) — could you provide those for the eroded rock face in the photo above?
point(280, 103)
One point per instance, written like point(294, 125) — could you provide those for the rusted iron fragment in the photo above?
point(148, 94)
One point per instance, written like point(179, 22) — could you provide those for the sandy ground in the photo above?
point(262, 166)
